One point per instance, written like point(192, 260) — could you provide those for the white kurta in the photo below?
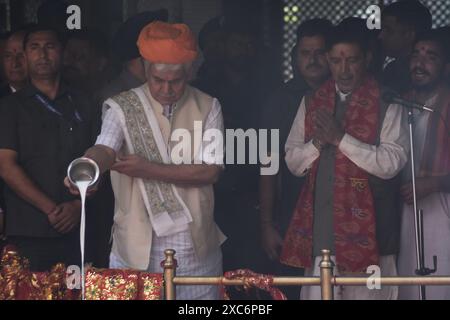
point(436, 218)
point(384, 161)
point(189, 264)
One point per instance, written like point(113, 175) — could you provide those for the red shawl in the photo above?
point(354, 213)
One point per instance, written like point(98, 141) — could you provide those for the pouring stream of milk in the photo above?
point(82, 187)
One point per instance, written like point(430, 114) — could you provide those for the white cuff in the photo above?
point(348, 144)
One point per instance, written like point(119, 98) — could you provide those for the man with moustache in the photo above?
point(279, 193)
point(43, 128)
point(350, 146)
point(429, 67)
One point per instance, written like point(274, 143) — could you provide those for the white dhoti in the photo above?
point(188, 264)
point(436, 223)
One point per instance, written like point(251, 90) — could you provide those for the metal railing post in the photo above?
point(326, 276)
point(169, 265)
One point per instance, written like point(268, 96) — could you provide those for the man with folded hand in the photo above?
point(351, 146)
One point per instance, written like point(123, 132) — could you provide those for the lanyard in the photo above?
point(51, 108)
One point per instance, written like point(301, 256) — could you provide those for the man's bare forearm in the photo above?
point(19, 182)
point(103, 156)
point(267, 192)
point(188, 175)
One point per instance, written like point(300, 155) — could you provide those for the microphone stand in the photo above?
point(418, 216)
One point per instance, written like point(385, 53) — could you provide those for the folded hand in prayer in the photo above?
point(326, 128)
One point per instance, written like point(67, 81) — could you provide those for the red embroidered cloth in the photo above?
point(17, 282)
point(252, 279)
point(354, 213)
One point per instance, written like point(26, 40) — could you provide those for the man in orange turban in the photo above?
point(163, 187)
point(169, 51)
point(161, 42)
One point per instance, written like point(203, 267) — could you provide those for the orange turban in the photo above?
point(162, 42)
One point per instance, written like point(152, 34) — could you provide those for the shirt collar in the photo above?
point(342, 96)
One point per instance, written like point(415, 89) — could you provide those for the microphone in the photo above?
point(392, 97)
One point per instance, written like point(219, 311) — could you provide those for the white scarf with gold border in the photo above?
point(167, 212)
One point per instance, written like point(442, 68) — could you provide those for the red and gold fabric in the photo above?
point(253, 280)
point(17, 282)
point(354, 212)
point(104, 284)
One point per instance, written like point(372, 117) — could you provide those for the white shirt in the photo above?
point(384, 161)
point(420, 134)
point(113, 136)
point(342, 96)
